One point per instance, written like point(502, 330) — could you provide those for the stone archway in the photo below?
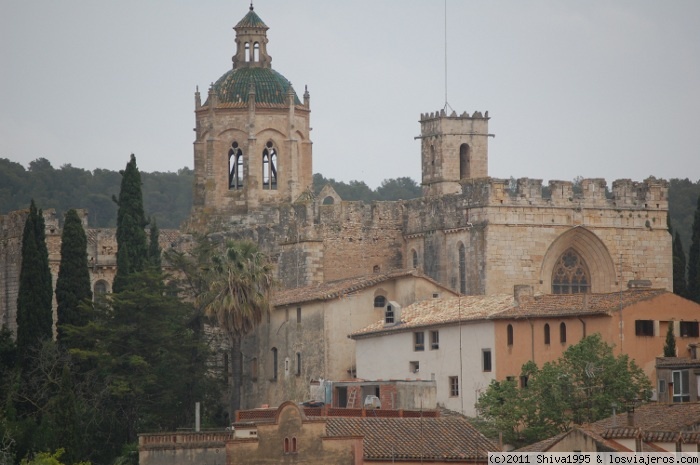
point(592, 250)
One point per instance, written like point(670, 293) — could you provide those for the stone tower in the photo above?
point(252, 145)
point(453, 149)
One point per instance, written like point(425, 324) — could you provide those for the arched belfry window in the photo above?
point(256, 52)
point(570, 274)
point(247, 51)
point(414, 258)
point(462, 269)
point(235, 166)
point(269, 159)
point(464, 162)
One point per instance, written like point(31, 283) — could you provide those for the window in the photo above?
point(562, 332)
point(486, 359)
point(256, 51)
point(100, 289)
point(389, 315)
point(509, 334)
point(434, 340)
point(269, 159)
point(274, 364)
point(290, 445)
point(418, 341)
point(247, 51)
point(376, 269)
point(235, 166)
point(379, 301)
point(298, 373)
point(414, 367)
point(454, 386)
point(662, 386)
point(546, 333)
point(298, 315)
point(464, 168)
point(462, 269)
point(681, 386)
point(644, 327)
point(414, 256)
point(570, 274)
point(689, 329)
point(523, 381)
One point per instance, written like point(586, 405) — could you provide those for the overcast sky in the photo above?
point(593, 88)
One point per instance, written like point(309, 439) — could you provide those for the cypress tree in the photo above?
point(679, 283)
point(132, 244)
point(694, 259)
point(34, 299)
point(670, 344)
point(73, 284)
point(154, 252)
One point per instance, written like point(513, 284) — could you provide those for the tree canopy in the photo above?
point(579, 387)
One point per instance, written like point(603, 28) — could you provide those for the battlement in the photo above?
point(443, 114)
point(651, 193)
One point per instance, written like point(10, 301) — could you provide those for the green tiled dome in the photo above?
point(251, 20)
point(270, 86)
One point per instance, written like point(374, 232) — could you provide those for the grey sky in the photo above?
point(594, 88)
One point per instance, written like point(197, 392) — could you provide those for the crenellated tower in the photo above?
point(252, 147)
point(453, 149)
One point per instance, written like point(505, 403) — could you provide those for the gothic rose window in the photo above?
point(570, 274)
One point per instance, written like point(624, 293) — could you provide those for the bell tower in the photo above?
point(453, 148)
point(252, 146)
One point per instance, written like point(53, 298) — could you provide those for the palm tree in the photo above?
point(238, 286)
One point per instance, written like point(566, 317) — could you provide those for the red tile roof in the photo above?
point(655, 417)
point(557, 305)
point(441, 311)
point(429, 439)
point(330, 290)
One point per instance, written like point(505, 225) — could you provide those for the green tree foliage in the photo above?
point(34, 300)
point(238, 284)
point(73, 283)
point(682, 196)
point(577, 388)
point(670, 344)
point(679, 267)
point(390, 189)
point(694, 258)
point(154, 252)
point(167, 196)
point(151, 360)
point(132, 244)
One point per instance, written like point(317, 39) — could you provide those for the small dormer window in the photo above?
point(389, 314)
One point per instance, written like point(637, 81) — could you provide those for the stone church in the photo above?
point(470, 233)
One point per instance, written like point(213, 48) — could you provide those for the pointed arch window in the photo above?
point(462, 269)
point(571, 274)
point(256, 52)
point(247, 52)
point(235, 166)
point(414, 256)
point(546, 334)
point(562, 332)
point(464, 162)
point(269, 159)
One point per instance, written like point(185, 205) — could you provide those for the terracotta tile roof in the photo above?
point(677, 362)
point(691, 437)
point(621, 432)
point(431, 439)
point(557, 305)
point(544, 445)
point(656, 417)
point(336, 289)
point(441, 311)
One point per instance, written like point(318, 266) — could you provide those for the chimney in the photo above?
point(520, 291)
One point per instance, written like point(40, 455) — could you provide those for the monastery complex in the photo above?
point(345, 265)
